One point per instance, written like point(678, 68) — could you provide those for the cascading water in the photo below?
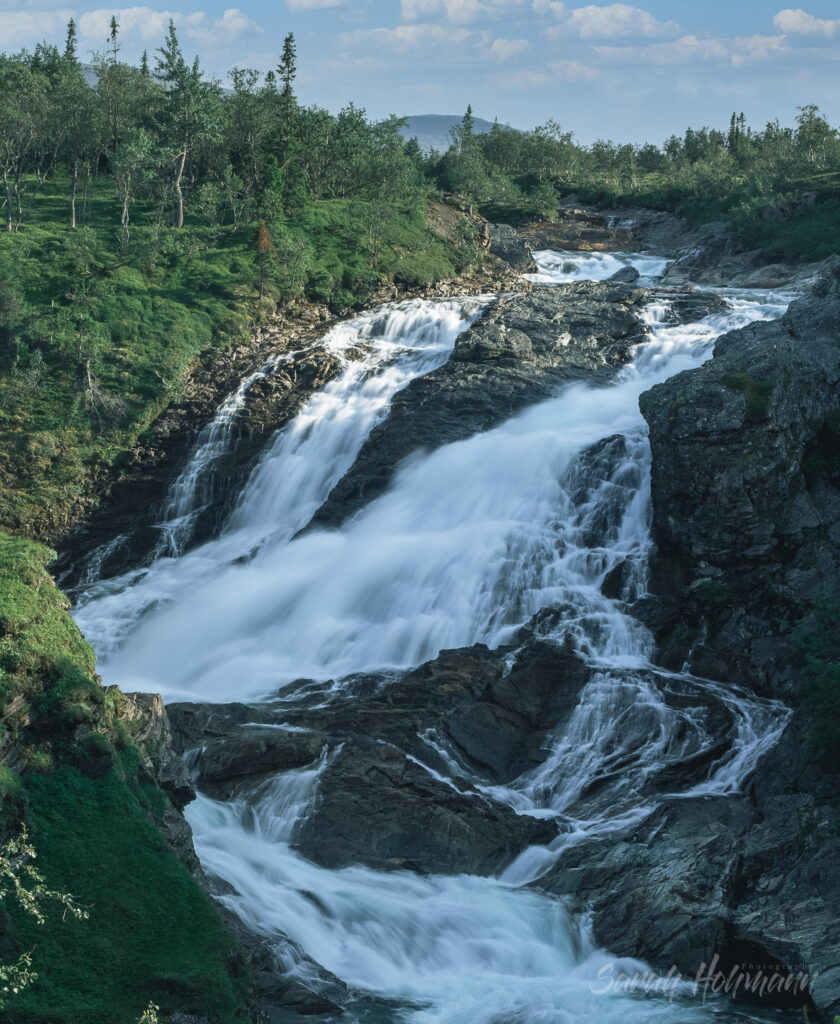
point(470, 542)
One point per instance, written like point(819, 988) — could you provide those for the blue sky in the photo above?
point(621, 71)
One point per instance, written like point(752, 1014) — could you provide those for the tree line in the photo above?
point(705, 171)
point(164, 134)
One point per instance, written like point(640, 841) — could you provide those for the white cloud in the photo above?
point(737, 51)
point(556, 8)
point(508, 49)
point(21, 28)
point(619, 20)
point(407, 38)
point(572, 70)
point(232, 24)
point(459, 12)
point(312, 5)
point(149, 25)
point(614, 21)
point(798, 22)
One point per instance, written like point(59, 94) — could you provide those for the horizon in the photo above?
point(617, 71)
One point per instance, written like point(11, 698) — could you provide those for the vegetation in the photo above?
point(151, 216)
point(779, 185)
point(139, 927)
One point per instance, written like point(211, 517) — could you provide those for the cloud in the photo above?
point(614, 21)
point(148, 25)
point(23, 27)
point(798, 22)
point(736, 51)
point(557, 70)
point(508, 49)
point(459, 12)
point(312, 5)
point(572, 70)
point(407, 38)
point(232, 24)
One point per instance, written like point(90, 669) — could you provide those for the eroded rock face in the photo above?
point(746, 498)
point(512, 248)
point(747, 879)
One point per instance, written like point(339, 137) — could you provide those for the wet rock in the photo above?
point(251, 752)
point(376, 806)
point(746, 507)
point(512, 248)
point(627, 275)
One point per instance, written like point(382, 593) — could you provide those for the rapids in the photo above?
point(469, 543)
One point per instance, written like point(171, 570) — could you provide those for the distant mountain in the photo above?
point(432, 130)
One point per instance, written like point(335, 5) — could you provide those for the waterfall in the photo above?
point(470, 541)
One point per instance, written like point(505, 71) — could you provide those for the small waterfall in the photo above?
point(469, 542)
point(565, 267)
point(197, 484)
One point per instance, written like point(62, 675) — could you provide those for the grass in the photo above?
point(138, 318)
point(152, 932)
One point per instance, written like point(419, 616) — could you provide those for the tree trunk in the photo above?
point(8, 199)
point(75, 182)
point(124, 218)
point(179, 215)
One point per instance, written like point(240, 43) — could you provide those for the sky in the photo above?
point(606, 70)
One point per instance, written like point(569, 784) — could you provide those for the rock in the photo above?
point(148, 722)
point(376, 806)
point(510, 247)
point(627, 275)
point(251, 752)
point(743, 489)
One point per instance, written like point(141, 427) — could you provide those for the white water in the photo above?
point(563, 267)
point(469, 542)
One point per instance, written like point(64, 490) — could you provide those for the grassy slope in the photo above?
point(144, 324)
point(152, 932)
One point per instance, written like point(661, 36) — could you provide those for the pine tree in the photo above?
point(144, 65)
point(287, 67)
point(112, 38)
point(70, 43)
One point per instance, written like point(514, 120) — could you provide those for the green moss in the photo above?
point(152, 933)
point(756, 394)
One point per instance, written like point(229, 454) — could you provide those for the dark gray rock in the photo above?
point(746, 497)
point(376, 806)
point(507, 245)
point(627, 275)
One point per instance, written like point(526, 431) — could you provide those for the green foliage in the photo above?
point(152, 933)
point(36, 633)
point(756, 394)
point(819, 647)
